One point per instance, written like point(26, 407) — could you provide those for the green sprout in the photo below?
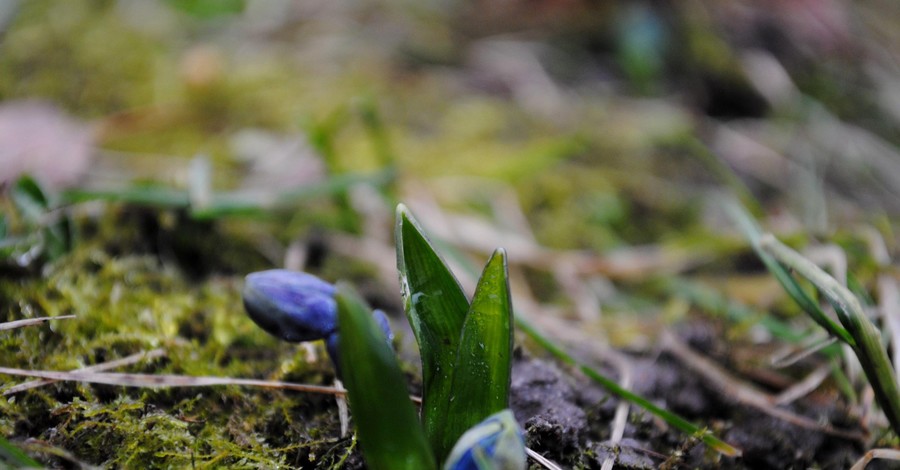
point(466, 351)
point(855, 328)
point(34, 229)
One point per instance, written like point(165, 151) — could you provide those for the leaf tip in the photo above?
point(402, 211)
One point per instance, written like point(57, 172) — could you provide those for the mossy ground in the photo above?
point(131, 303)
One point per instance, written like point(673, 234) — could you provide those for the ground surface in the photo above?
point(183, 144)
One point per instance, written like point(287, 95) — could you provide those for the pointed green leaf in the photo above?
point(436, 308)
point(29, 199)
point(389, 431)
point(14, 457)
point(481, 379)
point(748, 226)
point(868, 348)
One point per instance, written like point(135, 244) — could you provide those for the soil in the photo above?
point(567, 418)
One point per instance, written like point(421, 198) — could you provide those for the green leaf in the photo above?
point(389, 431)
point(13, 457)
point(748, 226)
point(435, 274)
point(436, 307)
point(143, 194)
point(29, 199)
point(867, 346)
point(228, 203)
point(484, 362)
point(208, 8)
point(33, 204)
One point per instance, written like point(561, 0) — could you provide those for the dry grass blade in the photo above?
point(38, 446)
point(888, 292)
point(887, 454)
point(789, 356)
point(621, 417)
point(11, 325)
point(164, 380)
point(805, 386)
point(125, 361)
point(889, 305)
point(343, 409)
point(547, 463)
point(735, 389)
point(169, 380)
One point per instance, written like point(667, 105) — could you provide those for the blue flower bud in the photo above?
point(382, 320)
point(297, 306)
point(495, 443)
point(332, 342)
point(290, 305)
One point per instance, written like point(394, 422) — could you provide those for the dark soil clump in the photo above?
point(567, 419)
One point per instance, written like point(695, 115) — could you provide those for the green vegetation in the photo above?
point(466, 357)
point(132, 304)
point(592, 141)
point(385, 418)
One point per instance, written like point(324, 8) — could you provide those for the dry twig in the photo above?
point(103, 366)
point(10, 325)
point(735, 389)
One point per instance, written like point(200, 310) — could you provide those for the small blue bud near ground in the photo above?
point(290, 305)
point(493, 444)
point(296, 306)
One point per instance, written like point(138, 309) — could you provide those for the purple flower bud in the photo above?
point(382, 320)
point(297, 306)
point(496, 442)
point(290, 305)
point(332, 342)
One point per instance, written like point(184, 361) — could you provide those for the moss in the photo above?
point(129, 304)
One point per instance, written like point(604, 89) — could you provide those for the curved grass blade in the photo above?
point(610, 385)
point(484, 364)
point(229, 203)
point(436, 307)
point(388, 428)
point(13, 457)
point(749, 228)
point(867, 347)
